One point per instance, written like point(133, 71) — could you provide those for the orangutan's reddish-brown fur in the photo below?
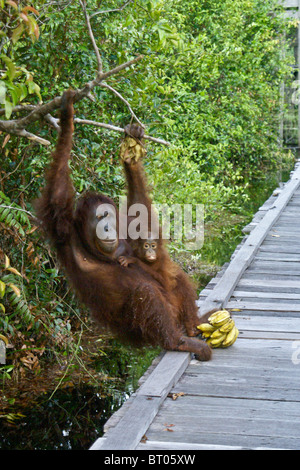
point(180, 288)
point(129, 301)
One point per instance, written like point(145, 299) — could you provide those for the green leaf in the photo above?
point(17, 32)
point(8, 108)
point(34, 88)
point(2, 92)
point(11, 69)
point(2, 289)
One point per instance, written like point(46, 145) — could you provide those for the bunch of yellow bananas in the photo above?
point(130, 148)
point(221, 331)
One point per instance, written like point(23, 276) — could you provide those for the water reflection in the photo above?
point(73, 418)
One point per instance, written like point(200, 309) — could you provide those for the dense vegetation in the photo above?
point(209, 83)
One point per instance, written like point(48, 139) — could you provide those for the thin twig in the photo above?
point(20, 108)
point(30, 136)
point(105, 85)
point(86, 90)
point(4, 206)
point(91, 34)
point(110, 11)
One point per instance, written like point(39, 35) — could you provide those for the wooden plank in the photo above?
point(262, 354)
point(249, 389)
point(252, 360)
point(232, 407)
point(289, 215)
point(166, 373)
point(266, 297)
point(186, 425)
point(268, 313)
point(286, 229)
point(286, 325)
point(127, 433)
point(270, 247)
point(223, 290)
point(290, 211)
point(294, 204)
point(286, 232)
point(276, 264)
point(222, 439)
point(282, 271)
point(280, 296)
point(264, 293)
point(268, 335)
point(272, 276)
point(270, 280)
point(132, 426)
point(275, 256)
point(248, 378)
point(283, 238)
point(264, 306)
point(162, 445)
point(242, 347)
point(222, 420)
point(278, 285)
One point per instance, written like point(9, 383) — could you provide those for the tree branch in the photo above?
point(10, 128)
point(118, 129)
point(20, 108)
point(18, 126)
point(104, 85)
point(91, 34)
point(17, 209)
point(44, 111)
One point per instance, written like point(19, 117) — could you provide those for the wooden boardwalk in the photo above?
point(247, 396)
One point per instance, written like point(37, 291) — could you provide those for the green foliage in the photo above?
point(13, 216)
point(11, 294)
point(17, 301)
point(18, 21)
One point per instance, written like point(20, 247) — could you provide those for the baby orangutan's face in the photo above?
point(150, 251)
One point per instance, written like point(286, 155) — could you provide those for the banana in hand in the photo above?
point(131, 149)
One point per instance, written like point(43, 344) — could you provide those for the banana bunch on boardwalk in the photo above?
point(221, 331)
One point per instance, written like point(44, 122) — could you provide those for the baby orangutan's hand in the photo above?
point(124, 261)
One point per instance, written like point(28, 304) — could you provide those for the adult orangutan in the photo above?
point(129, 301)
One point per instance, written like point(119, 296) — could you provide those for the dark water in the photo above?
point(73, 418)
